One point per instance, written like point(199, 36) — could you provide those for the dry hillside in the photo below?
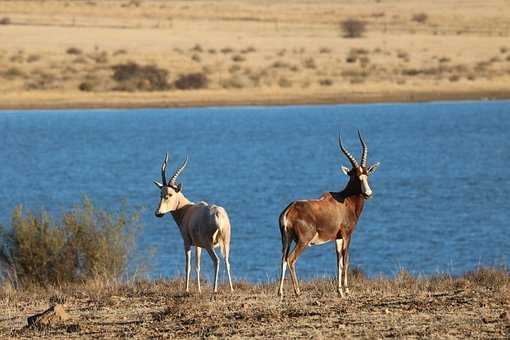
point(59, 53)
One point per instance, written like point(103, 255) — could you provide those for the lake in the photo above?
point(439, 202)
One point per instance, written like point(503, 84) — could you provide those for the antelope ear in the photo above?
point(373, 168)
point(179, 187)
point(159, 185)
point(345, 170)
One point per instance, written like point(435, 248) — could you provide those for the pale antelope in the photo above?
point(201, 225)
point(331, 217)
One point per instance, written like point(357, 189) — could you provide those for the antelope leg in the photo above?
point(198, 252)
point(216, 263)
point(188, 266)
point(339, 263)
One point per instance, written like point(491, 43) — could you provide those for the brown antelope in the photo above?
point(331, 217)
point(201, 225)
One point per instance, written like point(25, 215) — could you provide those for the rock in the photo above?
point(53, 316)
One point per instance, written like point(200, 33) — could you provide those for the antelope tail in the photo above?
point(222, 235)
point(286, 234)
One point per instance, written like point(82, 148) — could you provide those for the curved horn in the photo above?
point(350, 157)
point(178, 171)
point(364, 151)
point(163, 169)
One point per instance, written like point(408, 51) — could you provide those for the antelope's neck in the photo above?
point(182, 207)
point(357, 202)
point(353, 195)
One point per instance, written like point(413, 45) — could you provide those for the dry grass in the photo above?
point(475, 305)
point(183, 37)
point(85, 242)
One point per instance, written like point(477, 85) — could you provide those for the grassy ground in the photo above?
point(476, 305)
point(61, 53)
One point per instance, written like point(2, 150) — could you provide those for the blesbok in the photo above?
point(201, 225)
point(331, 217)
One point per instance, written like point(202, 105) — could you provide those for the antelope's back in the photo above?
point(205, 221)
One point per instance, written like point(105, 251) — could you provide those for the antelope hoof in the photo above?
point(340, 292)
point(347, 291)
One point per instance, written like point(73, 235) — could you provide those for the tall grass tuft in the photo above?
point(86, 243)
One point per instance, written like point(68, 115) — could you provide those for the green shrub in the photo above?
point(86, 243)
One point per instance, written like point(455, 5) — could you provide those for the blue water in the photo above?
point(441, 193)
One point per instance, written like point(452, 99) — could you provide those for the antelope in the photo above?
point(332, 217)
point(201, 225)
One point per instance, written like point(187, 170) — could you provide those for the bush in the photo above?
point(226, 50)
point(309, 63)
point(41, 80)
point(284, 82)
point(235, 82)
point(13, 72)
point(5, 21)
point(73, 50)
point(238, 58)
point(120, 52)
point(353, 28)
point(133, 77)
point(197, 48)
point(351, 59)
point(325, 82)
point(86, 243)
point(86, 86)
point(191, 81)
point(420, 17)
point(248, 49)
point(196, 57)
point(99, 57)
point(33, 58)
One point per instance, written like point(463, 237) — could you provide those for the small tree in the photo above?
point(353, 28)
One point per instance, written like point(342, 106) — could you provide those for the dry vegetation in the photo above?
point(69, 52)
point(476, 305)
point(85, 243)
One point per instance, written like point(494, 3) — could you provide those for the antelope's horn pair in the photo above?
point(350, 157)
point(176, 174)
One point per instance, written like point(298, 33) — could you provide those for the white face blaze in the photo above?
point(365, 188)
point(169, 200)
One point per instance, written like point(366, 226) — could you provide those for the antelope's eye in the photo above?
point(167, 197)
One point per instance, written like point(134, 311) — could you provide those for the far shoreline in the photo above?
point(190, 99)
